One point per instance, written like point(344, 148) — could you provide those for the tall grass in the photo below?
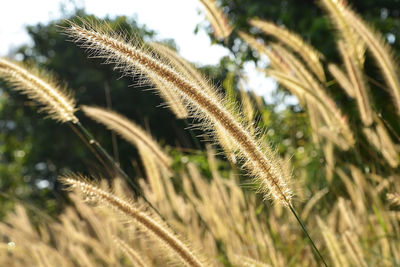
point(352, 213)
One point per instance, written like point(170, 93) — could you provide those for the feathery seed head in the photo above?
point(261, 162)
point(40, 87)
point(142, 219)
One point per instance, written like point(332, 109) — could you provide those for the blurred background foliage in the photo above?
point(35, 151)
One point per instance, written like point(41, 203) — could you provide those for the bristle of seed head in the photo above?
point(39, 86)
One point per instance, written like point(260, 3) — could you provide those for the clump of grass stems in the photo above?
point(260, 160)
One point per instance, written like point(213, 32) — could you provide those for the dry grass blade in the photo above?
point(142, 219)
point(261, 161)
point(295, 42)
point(129, 131)
point(58, 103)
point(380, 51)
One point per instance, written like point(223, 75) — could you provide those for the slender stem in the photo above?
point(303, 227)
point(389, 126)
point(136, 188)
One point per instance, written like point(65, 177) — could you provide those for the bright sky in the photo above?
point(174, 19)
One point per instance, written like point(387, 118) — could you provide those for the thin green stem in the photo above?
point(303, 227)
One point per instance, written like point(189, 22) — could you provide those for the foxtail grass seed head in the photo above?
point(261, 161)
point(41, 87)
point(142, 219)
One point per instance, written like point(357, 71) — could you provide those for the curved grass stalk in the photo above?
point(58, 103)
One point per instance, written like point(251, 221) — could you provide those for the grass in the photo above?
point(351, 221)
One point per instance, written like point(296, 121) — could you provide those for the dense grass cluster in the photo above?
point(179, 216)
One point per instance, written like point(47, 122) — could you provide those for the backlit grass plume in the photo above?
point(129, 131)
point(41, 87)
point(260, 160)
point(143, 220)
point(357, 80)
point(315, 91)
point(218, 21)
point(354, 43)
point(310, 55)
